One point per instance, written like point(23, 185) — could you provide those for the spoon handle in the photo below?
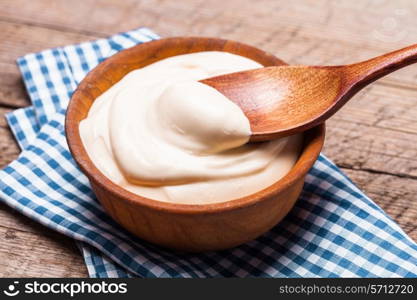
point(363, 73)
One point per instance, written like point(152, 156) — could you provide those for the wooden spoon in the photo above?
point(285, 100)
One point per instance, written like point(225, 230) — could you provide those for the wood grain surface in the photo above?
point(373, 138)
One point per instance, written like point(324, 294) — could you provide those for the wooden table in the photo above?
point(373, 139)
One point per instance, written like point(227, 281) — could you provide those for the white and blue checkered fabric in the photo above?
point(334, 230)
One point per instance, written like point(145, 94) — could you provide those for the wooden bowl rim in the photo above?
point(312, 145)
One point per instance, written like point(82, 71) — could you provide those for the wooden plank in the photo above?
point(12, 90)
point(297, 43)
point(8, 147)
point(398, 202)
point(18, 40)
point(320, 39)
point(20, 256)
point(9, 218)
point(367, 148)
point(93, 15)
point(383, 107)
point(376, 132)
point(44, 253)
point(299, 31)
point(3, 112)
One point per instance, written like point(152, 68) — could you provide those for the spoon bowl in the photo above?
point(271, 97)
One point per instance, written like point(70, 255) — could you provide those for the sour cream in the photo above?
point(161, 134)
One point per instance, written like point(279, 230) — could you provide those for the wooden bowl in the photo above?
point(185, 227)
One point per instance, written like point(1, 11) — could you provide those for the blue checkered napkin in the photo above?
point(334, 229)
point(25, 127)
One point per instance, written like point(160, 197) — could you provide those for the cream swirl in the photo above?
point(162, 134)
